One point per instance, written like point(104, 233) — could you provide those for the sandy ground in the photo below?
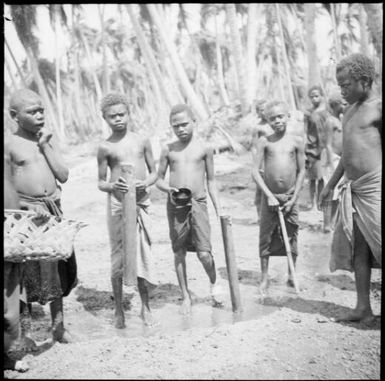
point(284, 336)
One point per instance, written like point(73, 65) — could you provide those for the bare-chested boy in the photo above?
point(316, 142)
point(284, 164)
point(124, 146)
point(357, 241)
point(37, 167)
point(191, 165)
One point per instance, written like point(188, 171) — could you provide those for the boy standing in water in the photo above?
point(37, 166)
point(191, 165)
point(126, 146)
point(284, 164)
point(357, 244)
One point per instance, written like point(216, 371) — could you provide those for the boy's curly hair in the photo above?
point(316, 87)
point(112, 99)
point(269, 106)
point(359, 66)
point(181, 107)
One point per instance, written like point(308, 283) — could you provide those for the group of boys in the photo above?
point(279, 169)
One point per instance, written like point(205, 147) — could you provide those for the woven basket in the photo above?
point(28, 238)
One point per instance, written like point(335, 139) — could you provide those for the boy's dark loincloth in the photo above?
point(270, 236)
point(46, 281)
point(316, 136)
point(189, 225)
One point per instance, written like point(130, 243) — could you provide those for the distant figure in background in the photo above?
point(357, 243)
point(37, 167)
point(284, 164)
point(261, 129)
point(126, 146)
point(12, 279)
point(191, 166)
point(316, 141)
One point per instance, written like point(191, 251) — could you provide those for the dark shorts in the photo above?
point(189, 226)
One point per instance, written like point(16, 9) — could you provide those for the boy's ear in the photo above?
point(13, 114)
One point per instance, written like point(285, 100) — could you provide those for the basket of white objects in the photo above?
point(28, 237)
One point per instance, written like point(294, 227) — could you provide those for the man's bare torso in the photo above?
point(188, 165)
point(32, 174)
point(362, 152)
point(280, 158)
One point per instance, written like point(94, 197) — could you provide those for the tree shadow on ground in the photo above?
point(94, 300)
point(327, 309)
point(344, 282)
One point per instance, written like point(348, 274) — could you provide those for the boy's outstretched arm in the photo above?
point(150, 163)
point(52, 154)
point(162, 169)
point(211, 186)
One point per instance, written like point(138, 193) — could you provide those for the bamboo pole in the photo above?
point(129, 226)
point(288, 250)
point(231, 265)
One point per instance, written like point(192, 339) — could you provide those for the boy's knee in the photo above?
point(205, 257)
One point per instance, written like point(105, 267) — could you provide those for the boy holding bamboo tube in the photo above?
point(284, 165)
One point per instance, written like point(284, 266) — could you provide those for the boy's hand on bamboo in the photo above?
point(41, 213)
point(272, 203)
point(324, 197)
point(44, 135)
point(287, 206)
point(120, 185)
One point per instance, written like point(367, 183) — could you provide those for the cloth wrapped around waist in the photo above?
point(46, 281)
point(361, 197)
point(189, 225)
point(270, 235)
point(143, 240)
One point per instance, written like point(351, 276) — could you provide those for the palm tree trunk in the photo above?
point(364, 40)
point(314, 74)
point(59, 101)
point(150, 60)
point(221, 81)
point(196, 103)
point(22, 79)
point(335, 32)
point(105, 81)
point(251, 51)
point(238, 57)
point(285, 60)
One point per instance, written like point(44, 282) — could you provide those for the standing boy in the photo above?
point(126, 146)
point(284, 164)
point(357, 242)
point(316, 142)
point(191, 164)
point(37, 166)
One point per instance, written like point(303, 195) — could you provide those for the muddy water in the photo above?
point(87, 326)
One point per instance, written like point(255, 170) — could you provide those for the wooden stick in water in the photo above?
point(129, 226)
point(230, 263)
point(288, 250)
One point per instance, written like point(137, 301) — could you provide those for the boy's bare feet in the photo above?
point(27, 344)
point(62, 336)
point(185, 308)
point(119, 320)
point(217, 294)
point(18, 365)
point(148, 318)
point(263, 287)
point(364, 316)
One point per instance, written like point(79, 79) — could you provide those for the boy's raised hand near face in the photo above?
point(44, 135)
